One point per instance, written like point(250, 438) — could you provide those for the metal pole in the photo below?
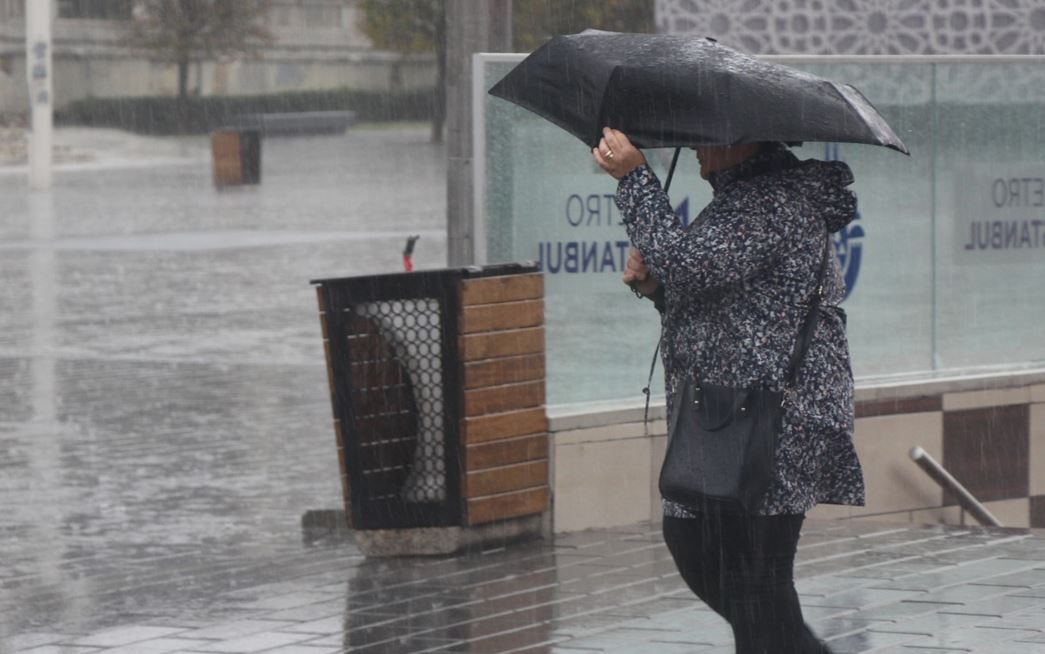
point(470, 27)
point(948, 482)
point(41, 91)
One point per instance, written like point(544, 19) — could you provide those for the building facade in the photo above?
point(317, 46)
point(862, 27)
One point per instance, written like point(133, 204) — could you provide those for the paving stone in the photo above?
point(861, 598)
point(965, 593)
point(928, 624)
point(894, 569)
point(1039, 591)
point(972, 638)
point(1025, 579)
point(836, 627)
point(303, 649)
point(616, 638)
point(159, 646)
point(61, 649)
point(311, 611)
point(25, 641)
point(253, 643)
point(829, 585)
point(899, 611)
point(959, 574)
point(530, 636)
point(124, 635)
point(996, 606)
point(1033, 619)
point(287, 601)
point(654, 647)
point(333, 625)
point(903, 649)
point(867, 641)
point(236, 629)
point(1012, 647)
point(824, 612)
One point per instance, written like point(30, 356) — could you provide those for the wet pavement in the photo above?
point(866, 587)
point(163, 396)
point(164, 426)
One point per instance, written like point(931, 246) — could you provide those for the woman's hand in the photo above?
point(616, 155)
point(636, 274)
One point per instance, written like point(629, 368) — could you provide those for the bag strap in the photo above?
point(649, 382)
point(805, 337)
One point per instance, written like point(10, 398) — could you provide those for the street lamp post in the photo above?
point(41, 91)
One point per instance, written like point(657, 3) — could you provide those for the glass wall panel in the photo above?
point(887, 251)
point(941, 262)
point(990, 210)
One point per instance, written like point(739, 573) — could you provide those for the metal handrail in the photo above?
point(947, 481)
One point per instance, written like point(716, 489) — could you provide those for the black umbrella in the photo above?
point(677, 91)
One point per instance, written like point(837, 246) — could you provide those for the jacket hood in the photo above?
point(821, 183)
point(825, 184)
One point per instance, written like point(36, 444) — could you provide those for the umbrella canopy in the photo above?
point(677, 91)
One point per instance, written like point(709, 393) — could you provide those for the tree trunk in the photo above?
point(183, 78)
point(181, 107)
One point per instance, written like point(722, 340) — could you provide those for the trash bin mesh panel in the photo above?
point(397, 398)
point(385, 417)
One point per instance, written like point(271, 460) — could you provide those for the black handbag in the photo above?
point(722, 440)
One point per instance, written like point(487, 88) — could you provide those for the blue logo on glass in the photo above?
point(847, 240)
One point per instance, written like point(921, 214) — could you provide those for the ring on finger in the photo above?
point(609, 154)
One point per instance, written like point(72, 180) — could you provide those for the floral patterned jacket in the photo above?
point(736, 287)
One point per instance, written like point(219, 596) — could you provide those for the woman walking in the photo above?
point(733, 291)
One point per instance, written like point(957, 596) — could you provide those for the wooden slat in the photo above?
point(506, 452)
point(508, 505)
point(508, 288)
point(506, 479)
point(509, 424)
point(508, 370)
point(513, 342)
point(498, 399)
point(507, 315)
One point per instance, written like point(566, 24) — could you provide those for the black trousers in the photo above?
point(742, 566)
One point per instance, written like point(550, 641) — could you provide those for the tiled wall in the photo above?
point(989, 433)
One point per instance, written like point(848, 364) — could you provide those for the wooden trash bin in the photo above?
point(236, 155)
point(437, 388)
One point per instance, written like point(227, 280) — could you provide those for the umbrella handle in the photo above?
point(671, 171)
